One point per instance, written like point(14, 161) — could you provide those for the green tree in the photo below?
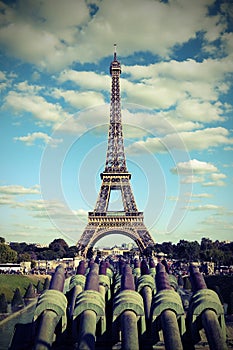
point(17, 301)
point(72, 252)
point(24, 257)
point(167, 248)
point(58, 244)
point(30, 292)
point(206, 244)
point(2, 240)
point(215, 255)
point(7, 255)
point(18, 247)
point(39, 287)
point(3, 304)
point(46, 254)
point(189, 251)
point(46, 283)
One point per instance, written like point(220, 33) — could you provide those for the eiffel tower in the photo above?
point(101, 221)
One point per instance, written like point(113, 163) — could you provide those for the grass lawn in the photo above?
point(8, 284)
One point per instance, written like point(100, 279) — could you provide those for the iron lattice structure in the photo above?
point(101, 221)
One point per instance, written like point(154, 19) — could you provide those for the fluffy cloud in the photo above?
point(191, 179)
point(2, 76)
point(195, 171)
point(63, 216)
point(195, 110)
point(33, 31)
point(218, 183)
point(211, 70)
point(190, 87)
point(80, 99)
point(19, 190)
point(192, 140)
point(90, 119)
point(205, 138)
point(86, 80)
point(193, 166)
point(36, 105)
point(206, 207)
point(28, 88)
point(199, 195)
point(218, 176)
point(149, 95)
point(5, 80)
point(7, 200)
point(30, 139)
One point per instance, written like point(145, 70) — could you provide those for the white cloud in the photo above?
point(218, 224)
point(205, 138)
point(197, 168)
point(62, 216)
point(5, 80)
point(191, 179)
point(206, 207)
point(34, 32)
point(154, 16)
point(2, 76)
point(209, 70)
point(154, 145)
point(36, 105)
point(199, 195)
point(218, 176)
point(189, 86)
point(194, 166)
point(192, 140)
point(7, 200)
point(27, 88)
point(30, 139)
point(3, 86)
point(19, 190)
point(228, 42)
point(150, 123)
point(196, 110)
point(80, 99)
point(84, 79)
point(217, 183)
point(86, 120)
point(152, 95)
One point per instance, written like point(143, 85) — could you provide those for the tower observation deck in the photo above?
point(102, 221)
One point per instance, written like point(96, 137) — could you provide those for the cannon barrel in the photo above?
point(206, 306)
point(50, 309)
point(166, 309)
point(128, 317)
point(77, 284)
point(146, 287)
point(88, 317)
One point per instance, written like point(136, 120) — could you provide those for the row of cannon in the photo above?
point(126, 306)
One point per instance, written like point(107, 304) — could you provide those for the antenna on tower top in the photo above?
point(115, 45)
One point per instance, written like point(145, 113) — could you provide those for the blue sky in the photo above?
point(176, 88)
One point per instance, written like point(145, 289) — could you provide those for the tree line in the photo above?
point(16, 252)
point(220, 253)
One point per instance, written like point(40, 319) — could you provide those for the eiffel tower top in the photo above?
point(115, 159)
point(115, 65)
